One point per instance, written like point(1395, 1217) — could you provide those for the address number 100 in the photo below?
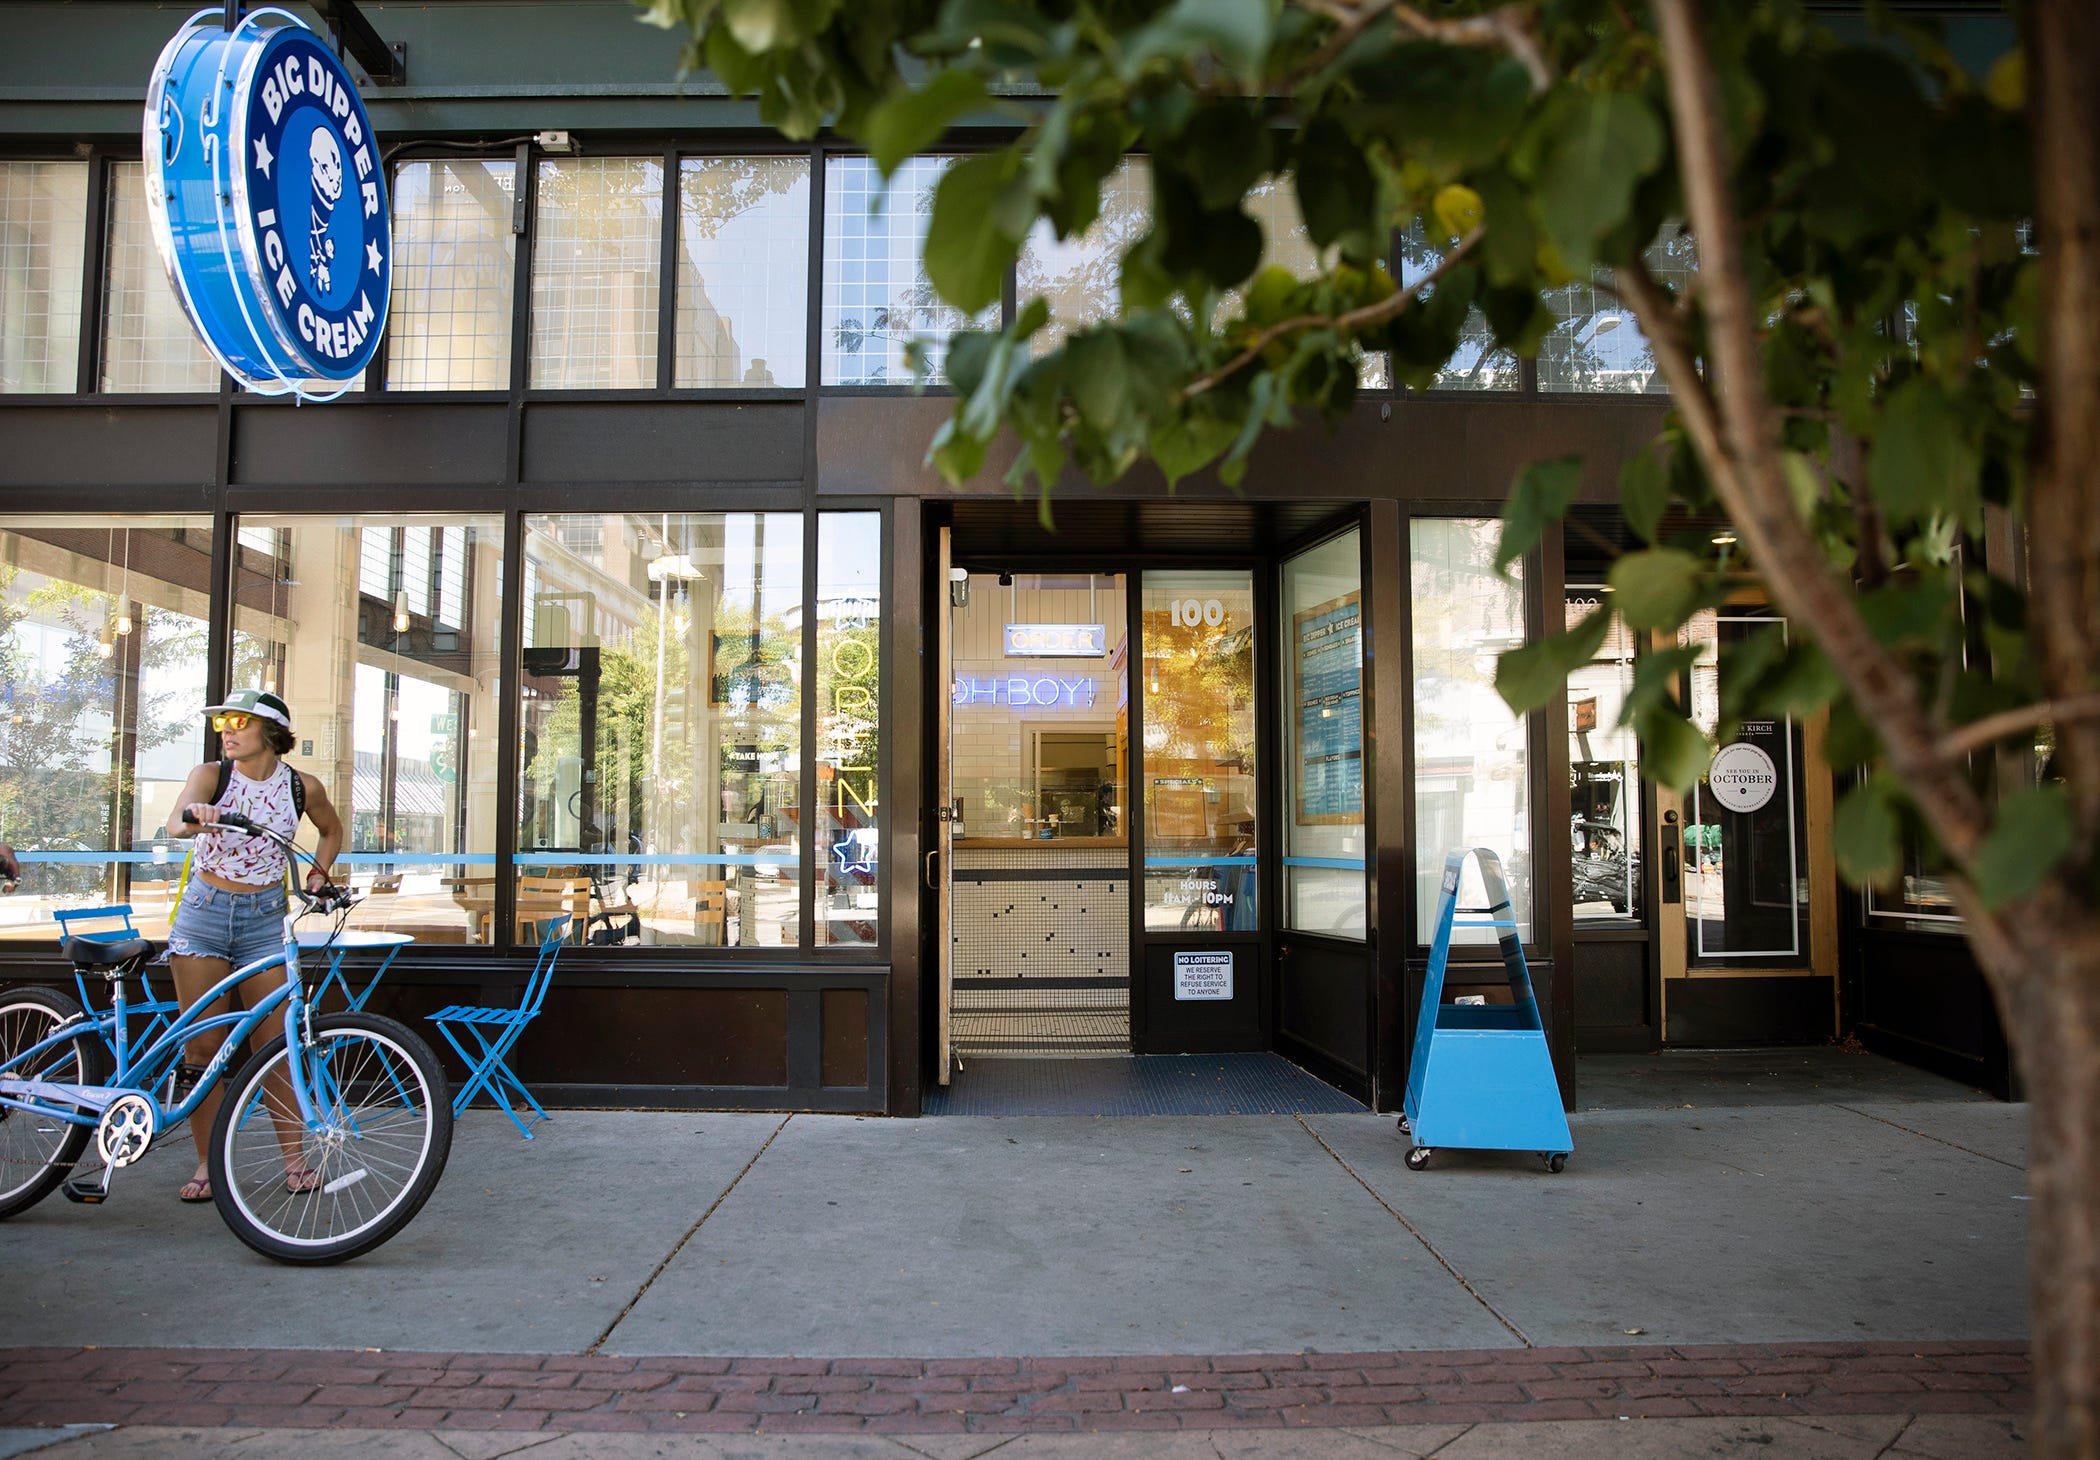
point(1191, 612)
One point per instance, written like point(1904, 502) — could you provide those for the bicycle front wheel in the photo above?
point(37, 1150)
point(314, 1197)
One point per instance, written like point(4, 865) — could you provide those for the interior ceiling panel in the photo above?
point(987, 529)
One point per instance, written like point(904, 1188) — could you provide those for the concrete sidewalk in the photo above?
point(1755, 1202)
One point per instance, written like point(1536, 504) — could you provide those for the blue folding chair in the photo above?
point(495, 1030)
point(154, 1012)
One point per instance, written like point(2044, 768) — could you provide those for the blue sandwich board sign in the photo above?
point(267, 199)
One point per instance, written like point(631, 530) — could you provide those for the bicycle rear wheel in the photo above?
point(37, 1150)
point(314, 1197)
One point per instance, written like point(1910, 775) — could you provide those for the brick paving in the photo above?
point(310, 1389)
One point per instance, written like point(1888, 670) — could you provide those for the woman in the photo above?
point(232, 911)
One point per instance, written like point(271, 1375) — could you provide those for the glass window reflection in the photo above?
point(659, 790)
point(380, 632)
point(743, 271)
point(1604, 823)
point(1471, 767)
point(455, 272)
point(1199, 752)
point(103, 652)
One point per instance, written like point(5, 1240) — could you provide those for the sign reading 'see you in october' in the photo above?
point(1742, 777)
point(1204, 975)
point(267, 198)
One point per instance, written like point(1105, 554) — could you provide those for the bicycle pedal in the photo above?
point(87, 1190)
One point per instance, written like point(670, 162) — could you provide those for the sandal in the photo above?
point(302, 1180)
point(196, 1189)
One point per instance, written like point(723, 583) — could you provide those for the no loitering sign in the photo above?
point(1205, 975)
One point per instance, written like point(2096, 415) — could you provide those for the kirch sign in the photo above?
point(267, 199)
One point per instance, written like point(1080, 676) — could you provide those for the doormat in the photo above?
point(1163, 1084)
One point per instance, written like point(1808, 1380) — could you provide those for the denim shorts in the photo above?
point(240, 927)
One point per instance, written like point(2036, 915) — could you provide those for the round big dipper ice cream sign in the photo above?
point(268, 204)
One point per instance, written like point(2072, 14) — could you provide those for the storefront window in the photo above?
point(1080, 277)
point(876, 297)
point(1604, 826)
point(659, 786)
point(849, 711)
point(596, 267)
point(1199, 752)
point(148, 343)
point(380, 632)
point(43, 234)
point(102, 670)
point(455, 273)
point(743, 271)
point(1472, 785)
point(1323, 626)
point(1597, 346)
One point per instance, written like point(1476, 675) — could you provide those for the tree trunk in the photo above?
point(2055, 1020)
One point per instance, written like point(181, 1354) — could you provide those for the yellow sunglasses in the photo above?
point(235, 721)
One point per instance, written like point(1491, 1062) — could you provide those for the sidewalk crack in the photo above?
point(1897, 1438)
point(1928, 1135)
point(1415, 1232)
point(650, 1281)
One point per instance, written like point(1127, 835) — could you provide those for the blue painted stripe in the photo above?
point(1347, 864)
point(1199, 861)
point(785, 857)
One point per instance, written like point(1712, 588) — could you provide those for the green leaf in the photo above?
point(2032, 833)
point(1867, 835)
point(1530, 676)
point(1610, 142)
point(1673, 751)
point(1540, 498)
point(911, 120)
point(1655, 679)
point(1921, 462)
point(1236, 30)
point(1099, 377)
point(955, 454)
point(1188, 445)
point(1644, 491)
point(1658, 589)
point(967, 252)
point(1908, 614)
point(1337, 192)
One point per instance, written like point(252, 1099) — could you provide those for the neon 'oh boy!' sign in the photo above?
point(268, 202)
point(1022, 690)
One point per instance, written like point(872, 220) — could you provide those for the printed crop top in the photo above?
point(252, 861)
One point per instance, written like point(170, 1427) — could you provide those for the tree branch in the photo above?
point(1356, 319)
point(1508, 28)
point(2064, 543)
point(1977, 734)
point(1739, 444)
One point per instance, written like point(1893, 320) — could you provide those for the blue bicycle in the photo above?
point(327, 1145)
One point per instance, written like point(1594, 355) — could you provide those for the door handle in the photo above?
point(1670, 884)
point(931, 885)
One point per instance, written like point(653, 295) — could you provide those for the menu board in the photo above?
point(1328, 692)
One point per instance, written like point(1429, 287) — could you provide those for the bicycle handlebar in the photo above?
point(330, 898)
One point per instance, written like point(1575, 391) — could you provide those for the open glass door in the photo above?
point(1750, 957)
point(940, 860)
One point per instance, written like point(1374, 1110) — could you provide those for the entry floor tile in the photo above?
point(1182, 1084)
point(976, 1236)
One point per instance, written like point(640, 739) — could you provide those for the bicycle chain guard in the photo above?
point(126, 1130)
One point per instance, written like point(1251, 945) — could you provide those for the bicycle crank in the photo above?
point(126, 1130)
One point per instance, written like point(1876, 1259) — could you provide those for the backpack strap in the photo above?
point(225, 779)
point(298, 793)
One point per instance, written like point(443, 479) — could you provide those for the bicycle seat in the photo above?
point(94, 953)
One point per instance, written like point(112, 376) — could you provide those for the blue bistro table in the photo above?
point(340, 943)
